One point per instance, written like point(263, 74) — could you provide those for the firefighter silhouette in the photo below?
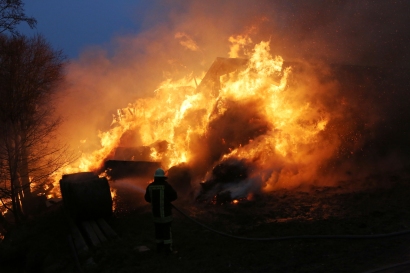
point(160, 194)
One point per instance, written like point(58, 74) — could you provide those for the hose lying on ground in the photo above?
point(372, 236)
point(388, 267)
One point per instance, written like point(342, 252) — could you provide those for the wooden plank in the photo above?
point(77, 237)
point(78, 240)
point(108, 231)
point(90, 233)
point(98, 231)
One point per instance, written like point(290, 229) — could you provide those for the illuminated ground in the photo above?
point(374, 205)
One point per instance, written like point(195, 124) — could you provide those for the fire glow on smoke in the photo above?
point(255, 114)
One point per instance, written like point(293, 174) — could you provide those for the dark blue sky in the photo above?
point(73, 25)
point(359, 30)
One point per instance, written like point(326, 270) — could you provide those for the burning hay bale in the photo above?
point(180, 178)
point(294, 123)
point(228, 181)
point(117, 169)
point(221, 66)
point(86, 196)
point(132, 153)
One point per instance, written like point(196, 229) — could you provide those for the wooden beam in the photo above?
point(90, 233)
point(98, 231)
point(108, 231)
point(78, 239)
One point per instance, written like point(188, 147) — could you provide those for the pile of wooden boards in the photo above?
point(91, 233)
point(87, 203)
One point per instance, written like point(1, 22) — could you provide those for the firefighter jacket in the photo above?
point(160, 194)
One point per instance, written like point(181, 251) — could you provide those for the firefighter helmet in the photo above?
point(159, 173)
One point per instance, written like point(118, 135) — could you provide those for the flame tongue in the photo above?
point(242, 109)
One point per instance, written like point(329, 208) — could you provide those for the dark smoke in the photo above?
point(228, 180)
point(361, 46)
point(368, 43)
point(240, 124)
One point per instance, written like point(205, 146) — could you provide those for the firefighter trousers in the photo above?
point(163, 236)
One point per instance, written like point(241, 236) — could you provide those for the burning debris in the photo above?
point(229, 181)
point(251, 125)
point(221, 66)
point(119, 169)
point(180, 178)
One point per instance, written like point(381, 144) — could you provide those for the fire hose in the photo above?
point(295, 237)
point(372, 236)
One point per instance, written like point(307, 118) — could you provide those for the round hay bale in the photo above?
point(180, 178)
point(86, 196)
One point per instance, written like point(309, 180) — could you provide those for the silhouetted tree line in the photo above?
point(12, 14)
point(30, 73)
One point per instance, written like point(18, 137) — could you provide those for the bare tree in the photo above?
point(11, 14)
point(30, 72)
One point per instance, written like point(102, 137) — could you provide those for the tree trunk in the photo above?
point(4, 226)
point(26, 197)
point(24, 173)
point(15, 202)
point(15, 184)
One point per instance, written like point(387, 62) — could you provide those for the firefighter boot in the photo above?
point(169, 250)
point(160, 246)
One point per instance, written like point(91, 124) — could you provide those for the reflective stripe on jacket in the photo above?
point(160, 194)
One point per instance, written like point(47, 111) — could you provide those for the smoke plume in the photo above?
point(349, 58)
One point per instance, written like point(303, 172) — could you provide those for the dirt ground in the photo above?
point(375, 205)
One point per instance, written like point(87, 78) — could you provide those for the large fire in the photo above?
point(254, 111)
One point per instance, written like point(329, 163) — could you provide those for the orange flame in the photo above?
point(180, 114)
